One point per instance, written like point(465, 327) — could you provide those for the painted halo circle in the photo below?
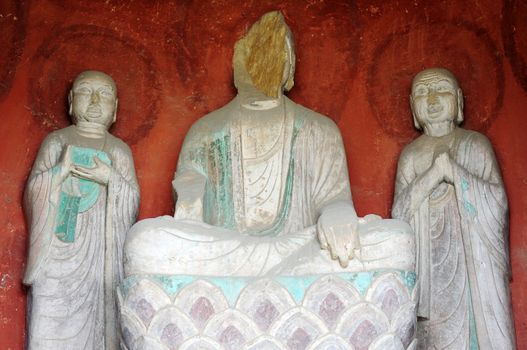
point(78, 48)
point(467, 51)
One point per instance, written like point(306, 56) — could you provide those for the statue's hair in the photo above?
point(264, 53)
point(441, 70)
point(96, 72)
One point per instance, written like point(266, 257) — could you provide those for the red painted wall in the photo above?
point(171, 61)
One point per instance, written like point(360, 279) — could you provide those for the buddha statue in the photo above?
point(262, 186)
point(265, 249)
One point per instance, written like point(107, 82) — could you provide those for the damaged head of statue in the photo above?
point(264, 59)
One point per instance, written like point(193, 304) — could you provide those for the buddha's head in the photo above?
point(436, 98)
point(93, 98)
point(265, 57)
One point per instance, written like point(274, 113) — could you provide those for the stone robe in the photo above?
point(75, 253)
point(462, 238)
point(313, 174)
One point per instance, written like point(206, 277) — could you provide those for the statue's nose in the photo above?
point(432, 98)
point(94, 97)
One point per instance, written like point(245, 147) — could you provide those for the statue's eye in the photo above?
point(82, 90)
point(420, 91)
point(443, 87)
point(106, 93)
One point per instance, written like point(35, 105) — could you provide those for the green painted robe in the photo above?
point(77, 230)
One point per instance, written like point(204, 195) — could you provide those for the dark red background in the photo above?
point(172, 64)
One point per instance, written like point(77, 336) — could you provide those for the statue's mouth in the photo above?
point(93, 111)
point(434, 109)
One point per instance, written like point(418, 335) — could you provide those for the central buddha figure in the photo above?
point(262, 186)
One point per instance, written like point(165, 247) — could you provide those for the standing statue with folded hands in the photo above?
point(449, 188)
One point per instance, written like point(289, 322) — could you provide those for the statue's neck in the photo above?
point(439, 129)
point(90, 130)
point(256, 100)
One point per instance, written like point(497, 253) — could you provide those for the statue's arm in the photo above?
point(189, 190)
point(337, 221)
point(479, 161)
point(41, 198)
point(123, 169)
point(122, 202)
point(482, 198)
point(53, 156)
point(190, 179)
point(411, 189)
point(122, 187)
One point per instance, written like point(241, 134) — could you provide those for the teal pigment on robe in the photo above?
point(77, 195)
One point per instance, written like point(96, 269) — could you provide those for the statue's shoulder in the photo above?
point(310, 117)
point(214, 121)
point(416, 146)
point(475, 138)
point(118, 145)
point(58, 137)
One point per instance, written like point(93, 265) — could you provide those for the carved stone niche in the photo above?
point(265, 250)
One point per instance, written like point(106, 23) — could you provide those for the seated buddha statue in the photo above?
point(262, 186)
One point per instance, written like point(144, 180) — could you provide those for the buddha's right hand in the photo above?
point(337, 230)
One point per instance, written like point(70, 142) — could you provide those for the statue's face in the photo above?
point(94, 98)
point(434, 97)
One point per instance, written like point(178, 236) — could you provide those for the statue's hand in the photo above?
point(443, 163)
point(337, 232)
point(99, 173)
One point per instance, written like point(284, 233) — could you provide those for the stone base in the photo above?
point(367, 310)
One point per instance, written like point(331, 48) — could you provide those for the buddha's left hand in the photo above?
point(100, 173)
point(337, 232)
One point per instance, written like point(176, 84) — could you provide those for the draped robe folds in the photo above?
point(462, 235)
point(72, 299)
point(313, 175)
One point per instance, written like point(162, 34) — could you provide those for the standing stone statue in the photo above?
point(259, 180)
point(450, 190)
point(80, 200)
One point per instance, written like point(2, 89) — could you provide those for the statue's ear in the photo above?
point(290, 82)
point(416, 123)
point(115, 110)
point(70, 103)
point(460, 116)
point(290, 64)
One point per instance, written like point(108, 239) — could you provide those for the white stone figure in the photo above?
point(450, 190)
point(259, 180)
point(80, 200)
point(262, 185)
